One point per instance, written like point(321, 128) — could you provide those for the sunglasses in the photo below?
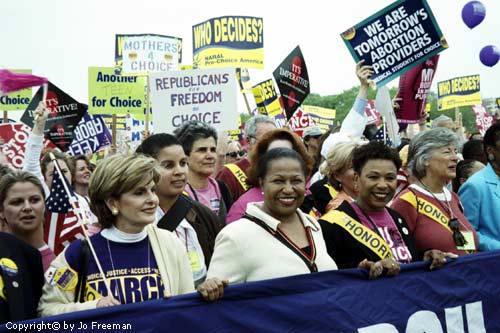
point(235, 154)
point(458, 238)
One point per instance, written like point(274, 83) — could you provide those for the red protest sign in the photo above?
point(15, 137)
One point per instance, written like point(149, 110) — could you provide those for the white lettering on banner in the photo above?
point(428, 321)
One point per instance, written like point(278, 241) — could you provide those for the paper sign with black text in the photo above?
point(207, 95)
point(229, 41)
point(266, 98)
point(459, 91)
point(144, 53)
point(64, 115)
point(395, 39)
point(17, 100)
point(323, 117)
point(293, 81)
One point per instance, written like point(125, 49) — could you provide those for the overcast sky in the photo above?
point(60, 39)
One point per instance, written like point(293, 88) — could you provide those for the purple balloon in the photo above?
point(489, 55)
point(473, 13)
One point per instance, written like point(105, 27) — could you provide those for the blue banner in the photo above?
point(395, 39)
point(461, 297)
point(91, 134)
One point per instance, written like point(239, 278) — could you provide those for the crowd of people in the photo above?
point(196, 211)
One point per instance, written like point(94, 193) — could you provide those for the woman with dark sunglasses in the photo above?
point(434, 213)
point(234, 152)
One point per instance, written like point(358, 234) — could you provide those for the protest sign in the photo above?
point(395, 39)
point(110, 93)
point(459, 91)
point(266, 98)
point(323, 117)
point(91, 134)
point(18, 100)
point(144, 53)
point(229, 41)
point(414, 86)
point(121, 121)
point(300, 121)
point(243, 77)
point(64, 115)
point(207, 95)
point(460, 297)
point(135, 129)
point(293, 81)
point(15, 136)
point(483, 119)
point(372, 114)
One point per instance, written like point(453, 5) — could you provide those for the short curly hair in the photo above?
point(192, 131)
point(116, 175)
point(374, 150)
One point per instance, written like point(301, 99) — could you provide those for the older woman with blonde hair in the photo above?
point(434, 214)
point(130, 250)
point(340, 173)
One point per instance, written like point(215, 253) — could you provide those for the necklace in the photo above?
point(114, 270)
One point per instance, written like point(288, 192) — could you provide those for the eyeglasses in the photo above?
point(458, 238)
point(235, 154)
point(308, 137)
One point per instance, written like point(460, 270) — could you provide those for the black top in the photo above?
point(22, 285)
point(347, 251)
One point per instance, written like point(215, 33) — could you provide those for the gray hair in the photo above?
point(192, 131)
point(424, 144)
point(439, 120)
point(251, 124)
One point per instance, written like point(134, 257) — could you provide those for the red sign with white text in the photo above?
point(15, 137)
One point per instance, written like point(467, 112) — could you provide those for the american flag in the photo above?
point(61, 222)
point(379, 136)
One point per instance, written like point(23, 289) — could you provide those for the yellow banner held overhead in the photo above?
point(459, 91)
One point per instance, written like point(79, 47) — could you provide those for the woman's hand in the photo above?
point(41, 114)
point(212, 289)
point(107, 301)
point(376, 268)
point(438, 257)
point(364, 73)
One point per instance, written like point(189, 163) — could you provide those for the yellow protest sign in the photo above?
point(459, 91)
point(112, 94)
point(229, 41)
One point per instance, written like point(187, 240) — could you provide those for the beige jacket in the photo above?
point(172, 262)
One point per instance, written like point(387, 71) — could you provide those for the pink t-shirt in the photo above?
point(209, 196)
point(240, 206)
point(388, 230)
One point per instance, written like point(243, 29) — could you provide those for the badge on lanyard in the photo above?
point(469, 245)
point(194, 261)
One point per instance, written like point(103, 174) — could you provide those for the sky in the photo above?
point(60, 39)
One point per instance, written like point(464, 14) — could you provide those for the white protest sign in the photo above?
point(144, 54)
point(207, 95)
